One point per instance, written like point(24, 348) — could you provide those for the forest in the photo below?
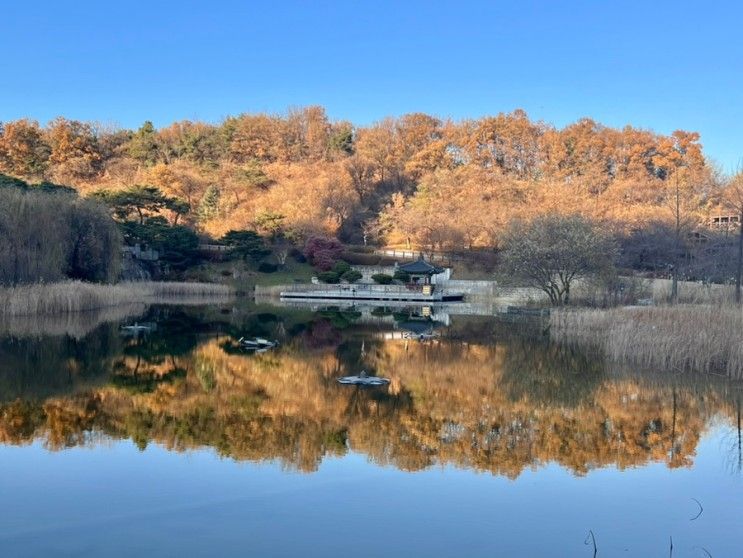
point(416, 180)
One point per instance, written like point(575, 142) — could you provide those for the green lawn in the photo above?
point(244, 275)
point(294, 272)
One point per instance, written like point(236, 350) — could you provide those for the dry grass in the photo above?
point(704, 338)
point(690, 292)
point(75, 296)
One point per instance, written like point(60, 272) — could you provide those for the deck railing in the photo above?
point(356, 287)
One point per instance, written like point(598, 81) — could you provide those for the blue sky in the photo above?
point(653, 64)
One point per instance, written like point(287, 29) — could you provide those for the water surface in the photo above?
point(488, 441)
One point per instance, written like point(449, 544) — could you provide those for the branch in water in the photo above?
point(701, 509)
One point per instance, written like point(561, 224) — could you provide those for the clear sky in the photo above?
point(653, 64)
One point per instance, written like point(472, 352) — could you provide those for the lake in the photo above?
point(173, 439)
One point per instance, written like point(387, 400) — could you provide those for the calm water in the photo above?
point(488, 441)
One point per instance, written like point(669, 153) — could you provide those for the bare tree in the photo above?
point(732, 198)
point(551, 252)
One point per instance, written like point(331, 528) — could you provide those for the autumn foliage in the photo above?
point(413, 180)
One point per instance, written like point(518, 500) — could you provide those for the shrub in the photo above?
point(297, 255)
point(266, 267)
point(351, 276)
point(341, 267)
point(403, 276)
point(382, 278)
point(329, 277)
point(323, 261)
point(323, 251)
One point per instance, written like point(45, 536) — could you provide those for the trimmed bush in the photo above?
point(329, 277)
point(341, 267)
point(382, 278)
point(266, 267)
point(351, 276)
point(402, 276)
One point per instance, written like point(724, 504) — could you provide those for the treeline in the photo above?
point(48, 233)
point(416, 180)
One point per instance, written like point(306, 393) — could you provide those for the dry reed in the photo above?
point(691, 292)
point(75, 296)
point(704, 338)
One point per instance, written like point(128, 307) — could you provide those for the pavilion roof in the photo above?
point(420, 267)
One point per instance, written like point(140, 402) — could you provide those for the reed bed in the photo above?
point(702, 338)
point(75, 296)
point(691, 292)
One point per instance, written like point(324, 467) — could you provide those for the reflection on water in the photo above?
point(480, 394)
point(465, 391)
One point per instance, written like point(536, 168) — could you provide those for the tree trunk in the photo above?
point(675, 275)
point(739, 268)
point(551, 293)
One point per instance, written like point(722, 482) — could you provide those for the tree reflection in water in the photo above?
point(485, 395)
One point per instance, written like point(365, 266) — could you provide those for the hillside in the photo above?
point(415, 180)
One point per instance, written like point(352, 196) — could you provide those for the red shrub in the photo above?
point(323, 251)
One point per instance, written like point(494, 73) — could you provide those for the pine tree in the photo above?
point(143, 145)
point(209, 206)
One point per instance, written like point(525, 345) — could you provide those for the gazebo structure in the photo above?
point(420, 271)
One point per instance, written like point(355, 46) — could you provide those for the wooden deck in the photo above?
point(398, 293)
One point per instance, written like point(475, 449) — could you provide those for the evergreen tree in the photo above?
point(143, 145)
point(209, 206)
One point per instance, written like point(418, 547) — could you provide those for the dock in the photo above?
point(391, 293)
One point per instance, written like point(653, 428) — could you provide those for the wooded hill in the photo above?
point(415, 180)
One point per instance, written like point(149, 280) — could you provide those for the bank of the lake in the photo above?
point(77, 296)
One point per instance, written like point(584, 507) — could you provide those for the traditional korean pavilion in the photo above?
point(420, 271)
